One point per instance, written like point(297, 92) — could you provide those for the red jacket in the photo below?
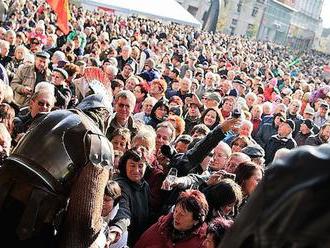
point(268, 93)
point(154, 178)
point(157, 236)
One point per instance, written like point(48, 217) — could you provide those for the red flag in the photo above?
point(61, 9)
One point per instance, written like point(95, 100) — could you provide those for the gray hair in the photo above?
point(167, 124)
point(113, 69)
point(4, 44)
point(126, 94)
point(251, 94)
point(45, 86)
point(59, 55)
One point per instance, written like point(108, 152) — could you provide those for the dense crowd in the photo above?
point(197, 117)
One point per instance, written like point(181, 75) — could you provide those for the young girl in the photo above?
point(110, 207)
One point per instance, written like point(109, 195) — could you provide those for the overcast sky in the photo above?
point(326, 14)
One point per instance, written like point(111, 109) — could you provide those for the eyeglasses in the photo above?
point(121, 105)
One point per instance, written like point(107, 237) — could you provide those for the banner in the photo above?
point(61, 9)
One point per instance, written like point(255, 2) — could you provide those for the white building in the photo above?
point(241, 17)
point(198, 8)
point(306, 24)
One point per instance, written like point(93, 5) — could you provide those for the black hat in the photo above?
point(308, 123)
point(290, 123)
point(324, 105)
point(254, 151)
point(43, 54)
point(176, 110)
point(62, 71)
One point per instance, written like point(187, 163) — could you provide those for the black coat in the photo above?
point(301, 138)
point(275, 143)
point(185, 162)
point(133, 206)
point(190, 123)
point(314, 140)
point(191, 160)
point(266, 131)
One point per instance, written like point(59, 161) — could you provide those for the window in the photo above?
point(250, 31)
point(234, 22)
point(239, 6)
point(255, 11)
point(250, 27)
point(232, 30)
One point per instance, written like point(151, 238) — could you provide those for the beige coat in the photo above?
point(25, 76)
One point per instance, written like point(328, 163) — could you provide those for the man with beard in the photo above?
point(28, 76)
point(321, 138)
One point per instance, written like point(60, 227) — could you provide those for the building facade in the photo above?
point(295, 23)
point(306, 24)
point(275, 22)
point(240, 17)
point(197, 8)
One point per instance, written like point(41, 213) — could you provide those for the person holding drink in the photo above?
point(187, 163)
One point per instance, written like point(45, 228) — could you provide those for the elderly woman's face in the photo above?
point(183, 219)
point(135, 170)
point(19, 54)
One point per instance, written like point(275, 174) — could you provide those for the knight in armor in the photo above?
point(52, 185)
